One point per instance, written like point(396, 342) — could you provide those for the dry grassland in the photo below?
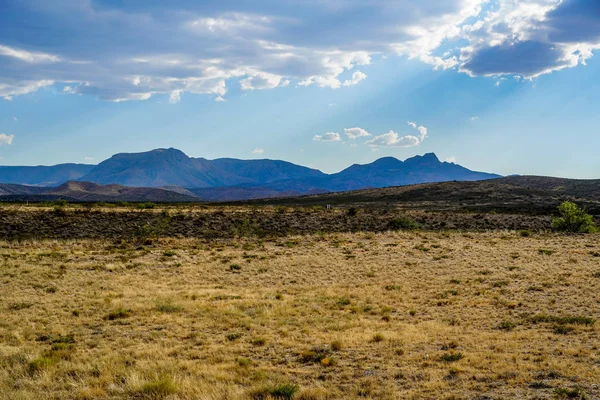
point(420, 315)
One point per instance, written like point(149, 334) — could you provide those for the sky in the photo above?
point(504, 86)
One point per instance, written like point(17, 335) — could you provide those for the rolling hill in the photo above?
point(91, 192)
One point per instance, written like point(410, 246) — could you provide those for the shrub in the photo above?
point(573, 219)
point(378, 337)
point(118, 314)
point(38, 365)
point(284, 391)
point(562, 329)
point(336, 345)
point(403, 223)
point(244, 362)
point(451, 357)
point(315, 355)
point(145, 206)
point(566, 393)
point(352, 211)
point(234, 336)
point(506, 326)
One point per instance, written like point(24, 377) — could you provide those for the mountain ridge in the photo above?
point(226, 179)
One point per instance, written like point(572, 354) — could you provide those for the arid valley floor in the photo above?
point(425, 314)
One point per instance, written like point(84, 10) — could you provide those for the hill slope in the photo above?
point(91, 192)
point(42, 175)
point(533, 195)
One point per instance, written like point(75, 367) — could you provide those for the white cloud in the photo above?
point(258, 151)
point(8, 91)
point(422, 133)
point(201, 50)
point(328, 137)
point(354, 133)
point(6, 139)
point(474, 118)
point(28, 56)
point(230, 24)
point(357, 76)
point(451, 159)
point(219, 99)
point(262, 80)
point(89, 158)
point(393, 139)
point(175, 96)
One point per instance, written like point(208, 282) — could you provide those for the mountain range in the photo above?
point(222, 179)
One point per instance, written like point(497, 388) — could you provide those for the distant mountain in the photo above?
point(227, 179)
point(91, 192)
point(163, 167)
point(42, 175)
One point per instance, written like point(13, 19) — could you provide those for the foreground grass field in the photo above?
point(420, 315)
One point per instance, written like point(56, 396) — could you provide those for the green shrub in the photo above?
point(403, 223)
point(451, 357)
point(284, 391)
point(118, 314)
point(145, 206)
point(573, 219)
point(506, 326)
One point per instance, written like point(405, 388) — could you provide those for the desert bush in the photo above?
point(283, 391)
point(352, 211)
point(451, 357)
point(506, 326)
point(38, 365)
point(403, 223)
point(118, 314)
point(145, 206)
point(573, 219)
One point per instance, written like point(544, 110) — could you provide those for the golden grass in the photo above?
point(380, 316)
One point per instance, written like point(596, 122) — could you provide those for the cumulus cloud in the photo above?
point(204, 49)
point(258, 151)
point(393, 139)
point(354, 133)
point(6, 139)
point(451, 159)
point(531, 38)
point(328, 137)
point(262, 80)
point(357, 76)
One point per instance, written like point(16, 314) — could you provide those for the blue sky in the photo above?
point(506, 86)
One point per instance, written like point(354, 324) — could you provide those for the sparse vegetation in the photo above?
point(301, 320)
